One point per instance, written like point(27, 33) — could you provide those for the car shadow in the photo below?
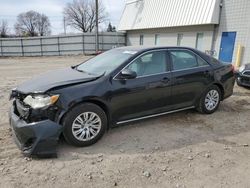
point(169, 132)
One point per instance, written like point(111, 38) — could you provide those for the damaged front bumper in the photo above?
point(36, 138)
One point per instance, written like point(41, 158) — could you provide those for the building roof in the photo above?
point(148, 14)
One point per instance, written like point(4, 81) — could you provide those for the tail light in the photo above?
point(233, 68)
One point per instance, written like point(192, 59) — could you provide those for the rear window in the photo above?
point(215, 61)
point(183, 60)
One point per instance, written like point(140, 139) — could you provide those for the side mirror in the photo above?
point(128, 74)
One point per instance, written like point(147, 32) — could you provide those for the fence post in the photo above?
point(125, 39)
point(58, 45)
point(102, 41)
point(1, 46)
point(41, 44)
point(22, 47)
point(83, 45)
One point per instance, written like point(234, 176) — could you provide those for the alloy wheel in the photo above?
point(212, 99)
point(86, 126)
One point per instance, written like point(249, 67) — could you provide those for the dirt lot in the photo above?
point(185, 149)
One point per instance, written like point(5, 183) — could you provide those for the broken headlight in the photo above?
point(40, 101)
point(242, 68)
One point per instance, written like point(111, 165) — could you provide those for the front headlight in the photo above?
point(40, 101)
point(242, 68)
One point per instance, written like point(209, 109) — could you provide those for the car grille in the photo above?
point(245, 80)
point(22, 110)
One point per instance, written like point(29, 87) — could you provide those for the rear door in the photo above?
point(190, 76)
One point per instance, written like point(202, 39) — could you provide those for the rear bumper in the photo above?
point(38, 138)
point(228, 87)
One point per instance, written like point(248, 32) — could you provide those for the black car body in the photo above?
point(122, 94)
point(243, 76)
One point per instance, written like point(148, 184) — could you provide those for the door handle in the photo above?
point(206, 73)
point(165, 80)
point(159, 84)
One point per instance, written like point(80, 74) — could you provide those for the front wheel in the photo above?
point(210, 100)
point(84, 125)
point(238, 82)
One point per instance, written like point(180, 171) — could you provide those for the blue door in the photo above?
point(227, 46)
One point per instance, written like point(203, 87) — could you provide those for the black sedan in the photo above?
point(243, 76)
point(119, 86)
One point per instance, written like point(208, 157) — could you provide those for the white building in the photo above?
point(212, 26)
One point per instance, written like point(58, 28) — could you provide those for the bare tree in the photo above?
point(43, 25)
point(3, 29)
point(111, 28)
point(80, 14)
point(27, 23)
point(32, 24)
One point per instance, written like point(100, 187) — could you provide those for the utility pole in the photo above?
point(96, 27)
point(64, 25)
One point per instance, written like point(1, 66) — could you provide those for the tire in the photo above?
point(79, 130)
point(209, 106)
point(238, 83)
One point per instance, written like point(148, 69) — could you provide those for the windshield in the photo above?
point(105, 62)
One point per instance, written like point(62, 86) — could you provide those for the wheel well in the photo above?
point(221, 89)
point(96, 102)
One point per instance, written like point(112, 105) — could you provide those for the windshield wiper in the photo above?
point(75, 68)
point(79, 70)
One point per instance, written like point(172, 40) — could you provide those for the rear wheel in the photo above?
point(84, 125)
point(210, 100)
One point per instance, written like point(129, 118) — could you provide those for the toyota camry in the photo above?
point(119, 86)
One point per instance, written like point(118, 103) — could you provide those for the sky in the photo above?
point(9, 9)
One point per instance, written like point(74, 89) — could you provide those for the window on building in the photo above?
point(141, 39)
point(157, 39)
point(150, 63)
point(179, 39)
point(199, 41)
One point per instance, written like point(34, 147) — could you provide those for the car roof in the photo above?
point(141, 49)
point(147, 48)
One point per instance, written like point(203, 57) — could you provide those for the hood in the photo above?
point(52, 79)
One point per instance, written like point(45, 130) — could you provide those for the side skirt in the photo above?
point(154, 115)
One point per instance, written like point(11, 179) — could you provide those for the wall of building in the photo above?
point(60, 45)
point(235, 16)
point(168, 36)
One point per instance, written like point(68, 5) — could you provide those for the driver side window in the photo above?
point(150, 63)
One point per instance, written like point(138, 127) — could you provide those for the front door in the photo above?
point(149, 93)
point(227, 46)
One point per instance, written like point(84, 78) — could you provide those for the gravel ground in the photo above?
point(184, 149)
